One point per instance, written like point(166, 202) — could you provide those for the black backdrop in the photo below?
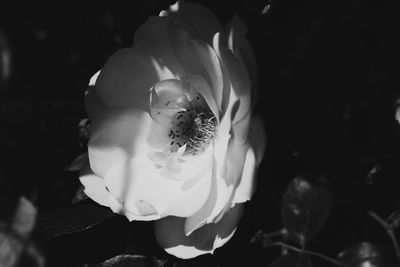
point(328, 81)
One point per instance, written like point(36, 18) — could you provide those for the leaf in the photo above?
point(394, 218)
point(292, 259)
point(305, 207)
point(83, 135)
point(78, 163)
point(5, 62)
point(123, 261)
point(75, 218)
point(368, 254)
point(15, 250)
point(10, 249)
point(79, 195)
point(24, 218)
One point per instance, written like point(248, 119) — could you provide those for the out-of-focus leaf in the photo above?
point(24, 218)
point(79, 195)
point(123, 261)
point(397, 113)
point(292, 259)
point(305, 207)
point(5, 60)
point(78, 163)
point(83, 135)
point(368, 254)
point(10, 249)
point(76, 218)
point(16, 251)
point(394, 218)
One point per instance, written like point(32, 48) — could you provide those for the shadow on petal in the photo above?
point(171, 236)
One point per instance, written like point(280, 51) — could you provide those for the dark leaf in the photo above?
point(83, 135)
point(79, 195)
point(24, 218)
point(11, 248)
point(5, 60)
point(394, 218)
point(305, 207)
point(123, 261)
point(75, 218)
point(292, 259)
point(17, 251)
point(368, 254)
point(78, 163)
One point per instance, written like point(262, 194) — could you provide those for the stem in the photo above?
point(265, 236)
point(280, 232)
point(309, 252)
point(389, 231)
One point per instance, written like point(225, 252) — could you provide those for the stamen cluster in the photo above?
point(195, 127)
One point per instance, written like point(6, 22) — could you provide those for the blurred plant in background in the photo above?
point(329, 78)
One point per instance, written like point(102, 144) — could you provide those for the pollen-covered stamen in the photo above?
point(195, 127)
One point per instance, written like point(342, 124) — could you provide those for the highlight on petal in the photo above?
point(233, 171)
point(93, 105)
point(257, 137)
point(127, 78)
point(198, 84)
point(198, 58)
point(93, 79)
point(220, 190)
point(95, 187)
point(210, 62)
point(136, 215)
point(170, 234)
point(153, 38)
point(137, 180)
point(240, 129)
point(188, 167)
point(238, 77)
point(167, 98)
point(243, 51)
point(245, 188)
point(117, 135)
point(201, 20)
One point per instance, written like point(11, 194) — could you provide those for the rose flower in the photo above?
point(172, 137)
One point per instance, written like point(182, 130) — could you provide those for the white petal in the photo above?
point(93, 79)
point(246, 187)
point(238, 77)
point(201, 86)
point(139, 180)
point(127, 78)
point(167, 98)
point(219, 193)
point(153, 38)
point(192, 167)
point(95, 187)
point(93, 104)
point(233, 171)
point(116, 135)
point(243, 51)
point(198, 58)
point(171, 236)
point(257, 137)
point(221, 189)
point(119, 209)
point(201, 20)
point(210, 62)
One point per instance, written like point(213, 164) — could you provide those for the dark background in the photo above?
point(328, 81)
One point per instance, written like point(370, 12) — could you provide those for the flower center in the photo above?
point(195, 127)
